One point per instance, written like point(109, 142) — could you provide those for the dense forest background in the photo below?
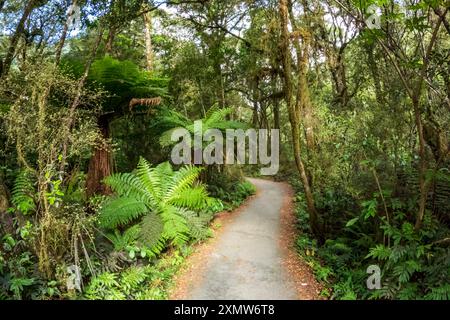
point(360, 91)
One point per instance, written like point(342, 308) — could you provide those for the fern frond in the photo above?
point(216, 117)
point(104, 287)
point(405, 270)
point(197, 224)
point(176, 229)
point(165, 200)
point(166, 138)
point(439, 293)
point(23, 192)
point(128, 238)
point(151, 230)
point(167, 118)
point(214, 108)
point(193, 198)
point(132, 278)
point(121, 211)
point(379, 252)
point(181, 180)
point(126, 184)
point(150, 180)
point(164, 170)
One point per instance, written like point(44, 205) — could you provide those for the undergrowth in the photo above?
point(414, 265)
point(139, 282)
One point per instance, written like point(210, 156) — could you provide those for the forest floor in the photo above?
point(251, 254)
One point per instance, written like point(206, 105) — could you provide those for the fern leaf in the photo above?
point(150, 180)
point(192, 198)
point(175, 229)
point(23, 193)
point(197, 224)
point(166, 138)
point(150, 235)
point(379, 252)
point(132, 278)
point(126, 184)
point(182, 179)
point(216, 117)
point(121, 211)
point(128, 238)
point(439, 293)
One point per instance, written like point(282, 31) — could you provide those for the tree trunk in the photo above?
point(375, 75)
point(422, 164)
point(276, 115)
point(303, 98)
point(148, 41)
point(62, 40)
point(294, 118)
point(335, 62)
point(100, 164)
point(303, 103)
point(255, 118)
point(110, 39)
point(15, 38)
point(276, 105)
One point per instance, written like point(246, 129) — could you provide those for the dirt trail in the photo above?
point(250, 257)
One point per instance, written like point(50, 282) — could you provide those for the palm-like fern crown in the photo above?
point(166, 199)
point(215, 118)
point(123, 80)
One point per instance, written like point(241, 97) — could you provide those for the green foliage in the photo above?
point(125, 240)
point(412, 268)
point(151, 229)
point(364, 166)
point(215, 118)
point(19, 277)
point(137, 282)
point(162, 201)
point(23, 193)
point(230, 189)
point(123, 80)
point(439, 293)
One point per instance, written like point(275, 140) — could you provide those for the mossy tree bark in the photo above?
point(293, 106)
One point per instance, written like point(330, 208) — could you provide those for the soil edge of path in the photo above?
point(298, 270)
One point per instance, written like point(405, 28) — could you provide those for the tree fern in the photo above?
point(215, 118)
point(125, 184)
point(160, 200)
point(123, 80)
point(175, 229)
point(182, 181)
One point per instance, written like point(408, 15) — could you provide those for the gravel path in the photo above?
point(246, 262)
